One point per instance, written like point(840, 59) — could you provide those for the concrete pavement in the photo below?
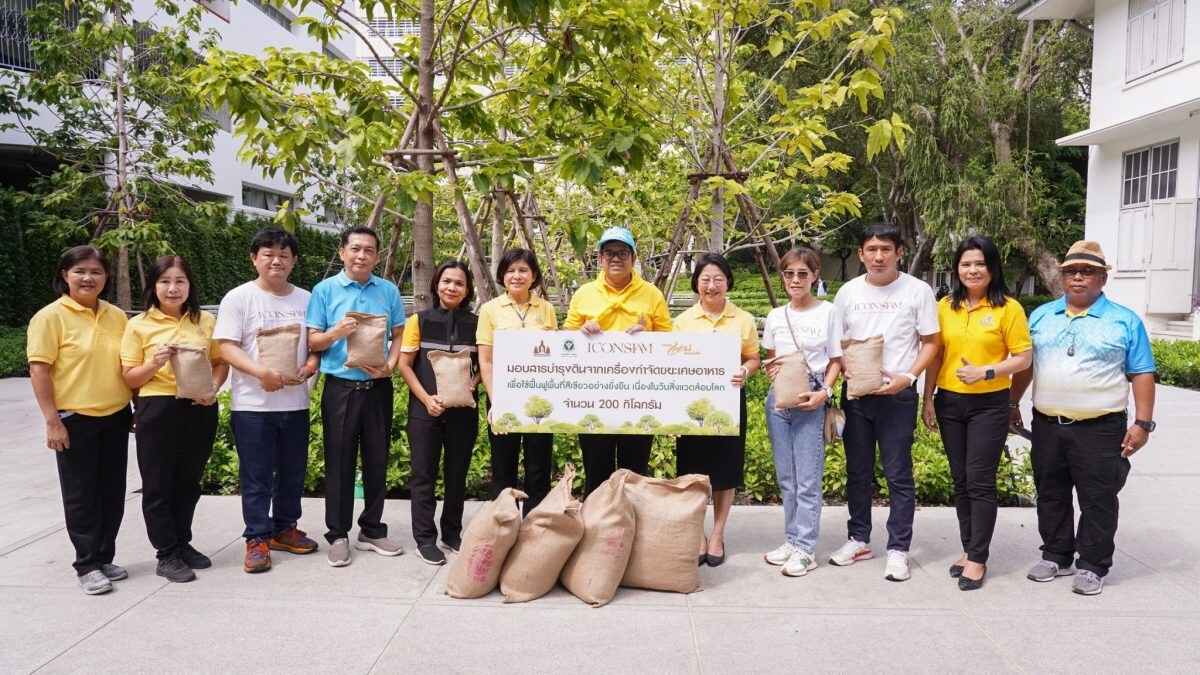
point(390, 614)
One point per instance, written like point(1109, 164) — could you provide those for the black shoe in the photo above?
point(174, 569)
point(966, 584)
point(452, 545)
point(113, 572)
point(715, 560)
point(702, 560)
point(193, 558)
point(956, 570)
point(431, 554)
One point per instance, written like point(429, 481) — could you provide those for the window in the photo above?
point(277, 16)
point(386, 28)
point(1155, 37)
point(16, 42)
point(258, 198)
point(218, 7)
point(378, 69)
point(1150, 174)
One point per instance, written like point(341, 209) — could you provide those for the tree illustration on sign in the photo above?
point(508, 421)
point(591, 422)
point(700, 410)
point(718, 420)
point(538, 409)
point(648, 423)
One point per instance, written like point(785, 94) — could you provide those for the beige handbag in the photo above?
point(452, 373)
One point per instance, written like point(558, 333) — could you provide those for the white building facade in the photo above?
point(1144, 159)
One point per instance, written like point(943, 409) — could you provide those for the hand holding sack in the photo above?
point(594, 570)
point(193, 371)
point(475, 571)
point(548, 536)
point(791, 381)
point(670, 525)
point(366, 345)
point(863, 360)
point(278, 349)
point(452, 373)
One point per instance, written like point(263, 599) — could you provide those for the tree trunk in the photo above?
point(422, 264)
point(716, 237)
point(664, 270)
point(121, 182)
point(921, 257)
point(1045, 264)
point(499, 207)
point(485, 285)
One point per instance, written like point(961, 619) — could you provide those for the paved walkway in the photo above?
point(390, 615)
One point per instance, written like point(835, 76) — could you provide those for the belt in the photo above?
point(1059, 419)
point(357, 385)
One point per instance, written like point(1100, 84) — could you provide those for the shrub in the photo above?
point(12, 352)
point(1032, 302)
point(1177, 362)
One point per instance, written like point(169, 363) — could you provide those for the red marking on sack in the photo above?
point(480, 562)
point(614, 547)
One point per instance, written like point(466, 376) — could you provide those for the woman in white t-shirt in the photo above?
point(797, 431)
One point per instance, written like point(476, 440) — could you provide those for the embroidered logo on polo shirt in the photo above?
point(987, 321)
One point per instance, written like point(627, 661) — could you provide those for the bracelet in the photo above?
point(911, 377)
point(1013, 405)
point(745, 371)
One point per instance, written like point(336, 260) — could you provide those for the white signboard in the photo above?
point(615, 383)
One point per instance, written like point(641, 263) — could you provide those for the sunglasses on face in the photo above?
point(623, 254)
point(1086, 272)
point(802, 275)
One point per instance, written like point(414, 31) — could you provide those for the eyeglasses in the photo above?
point(623, 254)
point(1087, 272)
point(712, 281)
point(802, 275)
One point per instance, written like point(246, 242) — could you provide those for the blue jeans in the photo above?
point(798, 444)
point(890, 421)
point(273, 458)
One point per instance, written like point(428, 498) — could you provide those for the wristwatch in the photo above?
point(828, 391)
point(989, 374)
point(1148, 425)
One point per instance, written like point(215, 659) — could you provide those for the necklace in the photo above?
point(521, 315)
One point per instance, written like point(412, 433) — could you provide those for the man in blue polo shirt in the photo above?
point(1087, 352)
point(356, 404)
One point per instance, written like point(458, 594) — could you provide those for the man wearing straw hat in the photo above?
point(1087, 352)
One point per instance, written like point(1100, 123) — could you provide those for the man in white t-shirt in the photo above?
point(269, 408)
point(901, 308)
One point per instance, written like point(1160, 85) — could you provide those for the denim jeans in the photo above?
point(273, 457)
point(798, 444)
point(890, 421)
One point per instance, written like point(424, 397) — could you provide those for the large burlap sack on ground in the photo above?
point(278, 349)
point(486, 543)
point(452, 373)
point(863, 360)
point(366, 345)
point(193, 371)
point(670, 525)
point(594, 570)
point(791, 380)
point(548, 536)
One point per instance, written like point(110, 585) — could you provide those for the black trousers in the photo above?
point(356, 415)
point(539, 465)
point(448, 440)
point(974, 428)
point(1086, 456)
point(605, 453)
point(174, 441)
point(91, 474)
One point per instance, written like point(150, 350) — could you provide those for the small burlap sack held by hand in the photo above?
point(863, 361)
point(278, 349)
point(193, 371)
point(366, 346)
point(475, 571)
point(548, 536)
point(594, 570)
point(452, 373)
point(791, 380)
point(670, 525)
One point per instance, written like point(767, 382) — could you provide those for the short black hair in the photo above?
point(515, 255)
point(191, 304)
point(73, 257)
point(711, 259)
point(997, 290)
point(881, 231)
point(358, 229)
point(272, 237)
point(453, 265)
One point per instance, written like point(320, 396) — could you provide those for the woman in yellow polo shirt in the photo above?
point(721, 458)
point(518, 309)
point(985, 339)
point(74, 364)
point(174, 435)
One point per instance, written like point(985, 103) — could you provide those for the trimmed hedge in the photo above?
point(12, 353)
point(1177, 362)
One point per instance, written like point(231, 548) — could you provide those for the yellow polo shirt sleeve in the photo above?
point(659, 317)
point(582, 304)
point(984, 336)
point(486, 326)
point(82, 349)
point(749, 330)
point(411, 341)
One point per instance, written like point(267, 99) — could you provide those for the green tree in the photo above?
point(699, 410)
point(538, 409)
point(508, 421)
point(719, 420)
point(591, 422)
point(648, 423)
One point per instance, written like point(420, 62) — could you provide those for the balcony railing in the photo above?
point(16, 40)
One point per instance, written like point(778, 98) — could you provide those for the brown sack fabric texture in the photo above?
point(452, 373)
point(278, 349)
point(791, 380)
point(475, 571)
point(863, 359)
point(594, 570)
point(365, 347)
point(548, 536)
point(670, 522)
point(193, 371)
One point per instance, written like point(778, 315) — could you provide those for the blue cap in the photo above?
point(618, 233)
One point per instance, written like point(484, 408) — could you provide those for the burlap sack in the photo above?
point(279, 348)
point(193, 371)
point(791, 380)
point(670, 526)
point(863, 360)
point(486, 543)
point(367, 345)
point(548, 536)
point(452, 373)
point(594, 570)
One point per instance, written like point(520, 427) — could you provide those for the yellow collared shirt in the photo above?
point(502, 313)
point(618, 310)
point(733, 319)
point(152, 329)
point(985, 335)
point(83, 350)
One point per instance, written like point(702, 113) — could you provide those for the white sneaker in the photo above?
point(851, 552)
point(799, 564)
point(781, 555)
point(897, 566)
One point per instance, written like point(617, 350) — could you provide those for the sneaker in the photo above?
point(780, 555)
point(1044, 570)
point(452, 545)
point(339, 553)
point(897, 566)
point(258, 557)
point(193, 558)
point(382, 546)
point(95, 583)
point(799, 564)
point(1087, 583)
point(172, 568)
point(293, 540)
point(113, 572)
point(851, 552)
point(431, 554)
